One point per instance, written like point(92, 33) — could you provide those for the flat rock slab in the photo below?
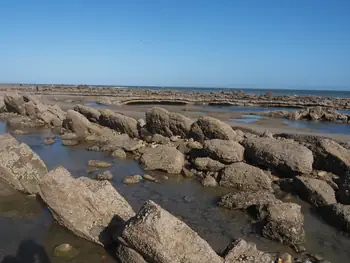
point(245, 177)
point(243, 200)
point(164, 158)
point(224, 151)
point(314, 191)
point(20, 166)
point(84, 206)
point(285, 156)
point(160, 237)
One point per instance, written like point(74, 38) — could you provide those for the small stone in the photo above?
point(286, 258)
point(107, 175)
point(322, 173)
point(209, 181)
point(186, 173)
point(20, 132)
point(119, 153)
point(174, 138)
point(51, 137)
point(70, 142)
point(99, 164)
point(66, 251)
point(165, 177)
point(150, 178)
point(92, 170)
point(132, 179)
point(94, 148)
point(49, 142)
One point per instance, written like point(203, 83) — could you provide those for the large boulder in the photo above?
point(14, 103)
point(160, 237)
point(285, 156)
point(90, 113)
point(283, 222)
point(244, 252)
point(78, 124)
point(337, 215)
point(243, 200)
point(207, 128)
point(224, 151)
point(245, 177)
point(119, 122)
point(90, 209)
point(314, 191)
point(164, 158)
point(167, 123)
point(19, 165)
point(49, 114)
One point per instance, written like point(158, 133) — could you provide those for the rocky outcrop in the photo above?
point(245, 177)
point(2, 105)
point(119, 122)
point(164, 158)
point(337, 215)
point(243, 200)
point(20, 166)
point(78, 124)
point(319, 114)
point(285, 156)
point(207, 128)
point(14, 103)
point(90, 209)
point(283, 222)
point(314, 191)
point(224, 151)
point(167, 123)
point(208, 164)
point(90, 113)
point(160, 237)
point(242, 251)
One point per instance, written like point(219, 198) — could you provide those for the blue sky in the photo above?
point(226, 43)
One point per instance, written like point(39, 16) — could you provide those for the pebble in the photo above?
point(49, 142)
point(119, 153)
point(132, 179)
point(150, 178)
point(209, 181)
point(66, 251)
point(19, 132)
point(186, 173)
point(99, 164)
point(107, 175)
point(70, 142)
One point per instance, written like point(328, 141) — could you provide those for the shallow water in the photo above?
point(247, 118)
point(326, 127)
point(23, 217)
point(248, 109)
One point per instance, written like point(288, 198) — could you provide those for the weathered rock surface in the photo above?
point(20, 166)
point(319, 114)
point(210, 128)
point(80, 125)
point(208, 164)
point(163, 158)
point(160, 237)
point(119, 122)
point(284, 222)
point(337, 215)
point(167, 123)
point(240, 251)
point(209, 181)
point(127, 255)
point(84, 206)
point(224, 151)
point(14, 103)
point(2, 105)
point(106, 175)
point(287, 157)
point(132, 179)
point(243, 200)
point(90, 113)
point(99, 164)
point(245, 177)
point(119, 153)
point(314, 191)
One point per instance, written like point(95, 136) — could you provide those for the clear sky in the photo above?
point(226, 43)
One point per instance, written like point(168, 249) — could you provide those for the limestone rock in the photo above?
point(90, 113)
point(224, 151)
point(78, 124)
point(14, 103)
point(243, 200)
point(160, 237)
point(245, 177)
point(163, 158)
point(106, 175)
point(84, 206)
point(119, 153)
point(99, 164)
point(285, 156)
point(208, 164)
point(132, 179)
point(19, 165)
point(210, 128)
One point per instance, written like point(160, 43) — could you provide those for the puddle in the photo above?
point(247, 118)
point(94, 104)
point(326, 127)
point(249, 109)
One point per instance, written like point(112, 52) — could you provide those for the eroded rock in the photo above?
point(90, 113)
point(243, 200)
point(224, 151)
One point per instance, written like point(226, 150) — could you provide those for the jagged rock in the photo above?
point(208, 164)
point(224, 151)
point(167, 123)
point(119, 153)
point(19, 165)
point(132, 179)
point(240, 251)
point(99, 164)
point(337, 215)
point(127, 255)
point(78, 124)
point(163, 158)
point(209, 181)
point(119, 122)
point(106, 175)
point(284, 222)
point(89, 208)
point(146, 234)
point(14, 103)
point(316, 192)
point(287, 157)
point(245, 177)
point(243, 200)
point(319, 114)
point(210, 128)
point(90, 113)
